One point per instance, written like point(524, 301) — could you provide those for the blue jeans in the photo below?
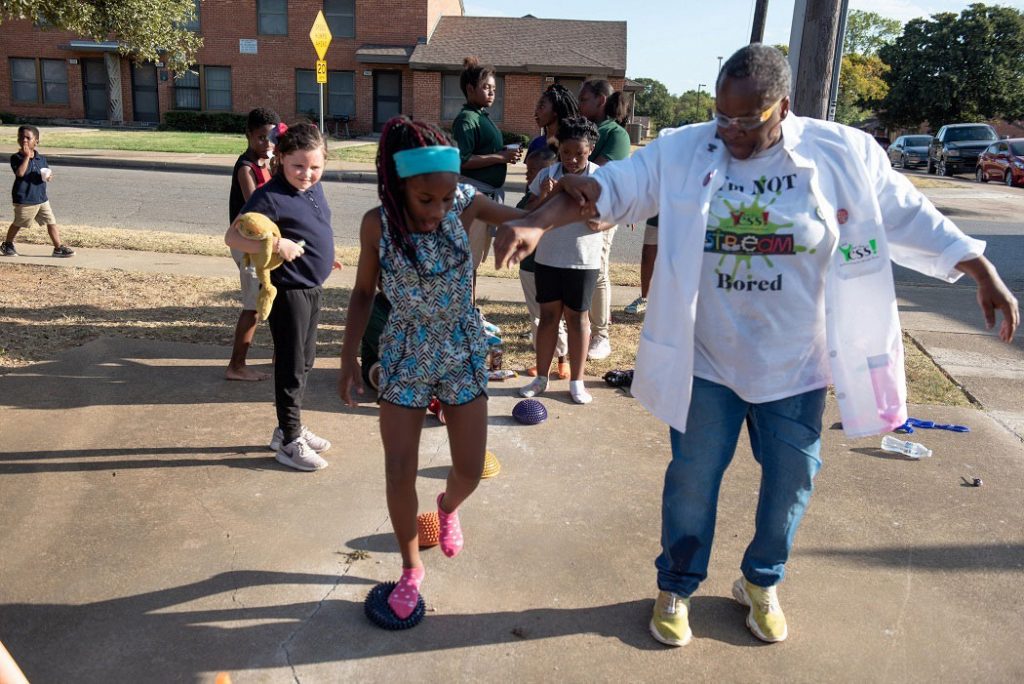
point(786, 440)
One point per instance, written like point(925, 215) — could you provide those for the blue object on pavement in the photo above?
point(912, 423)
point(530, 412)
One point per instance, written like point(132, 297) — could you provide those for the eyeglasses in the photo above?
point(746, 123)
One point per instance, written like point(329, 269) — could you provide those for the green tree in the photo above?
point(951, 68)
point(862, 87)
point(869, 32)
point(148, 30)
point(692, 107)
point(655, 101)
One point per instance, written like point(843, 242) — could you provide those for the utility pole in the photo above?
point(700, 112)
point(760, 15)
point(816, 61)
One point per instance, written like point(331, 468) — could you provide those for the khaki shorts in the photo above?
point(248, 280)
point(26, 214)
point(479, 242)
point(650, 234)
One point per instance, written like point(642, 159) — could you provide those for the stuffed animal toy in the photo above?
point(258, 227)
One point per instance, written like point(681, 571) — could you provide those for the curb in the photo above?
point(331, 176)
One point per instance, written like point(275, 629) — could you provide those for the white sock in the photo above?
point(579, 392)
point(537, 386)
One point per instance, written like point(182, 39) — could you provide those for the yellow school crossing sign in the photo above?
point(320, 34)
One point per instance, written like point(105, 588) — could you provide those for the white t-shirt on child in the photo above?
point(573, 245)
point(760, 327)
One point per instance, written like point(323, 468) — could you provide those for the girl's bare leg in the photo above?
point(400, 432)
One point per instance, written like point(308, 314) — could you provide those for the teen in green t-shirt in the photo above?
point(600, 103)
point(484, 157)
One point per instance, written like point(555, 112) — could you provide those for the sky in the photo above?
point(678, 42)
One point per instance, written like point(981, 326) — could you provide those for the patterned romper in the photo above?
point(432, 344)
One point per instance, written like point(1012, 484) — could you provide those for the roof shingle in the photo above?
point(526, 44)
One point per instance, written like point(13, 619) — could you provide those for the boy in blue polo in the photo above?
point(31, 174)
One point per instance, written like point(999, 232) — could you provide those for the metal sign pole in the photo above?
point(322, 130)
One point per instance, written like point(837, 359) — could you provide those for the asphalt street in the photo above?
point(197, 203)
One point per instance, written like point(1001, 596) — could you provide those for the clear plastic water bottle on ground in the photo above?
point(911, 449)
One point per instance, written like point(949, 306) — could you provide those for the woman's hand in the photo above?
point(993, 295)
point(584, 190)
point(288, 250)
point(514, 242)
point(351, 377)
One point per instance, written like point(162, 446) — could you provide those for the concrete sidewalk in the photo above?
point(149, 534)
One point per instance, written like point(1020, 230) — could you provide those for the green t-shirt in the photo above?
point(476, 135)
point(612, 141)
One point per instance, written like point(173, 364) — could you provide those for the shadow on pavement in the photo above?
point(980, 557)
point(142, 457)
point(156, 637)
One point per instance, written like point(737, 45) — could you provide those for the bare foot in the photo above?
point(245, 374)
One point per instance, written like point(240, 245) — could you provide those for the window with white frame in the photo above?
point(452, 98)
point(218, 87)
point(272, 17)
point(341, 17)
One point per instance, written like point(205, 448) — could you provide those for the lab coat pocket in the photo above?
point(860, 251)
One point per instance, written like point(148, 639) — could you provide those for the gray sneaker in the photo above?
point(7, 249)
point(637, 306)
point(63, 252)
point(299, 455)
point(316, 443)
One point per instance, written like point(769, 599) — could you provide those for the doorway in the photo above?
point(145, 102)
point(387, 97)
point(94, 89)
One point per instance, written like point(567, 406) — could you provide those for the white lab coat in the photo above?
point(874, 213)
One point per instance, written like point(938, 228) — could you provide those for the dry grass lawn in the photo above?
point(46, 310)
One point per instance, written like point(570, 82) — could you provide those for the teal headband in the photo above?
point(430, 159)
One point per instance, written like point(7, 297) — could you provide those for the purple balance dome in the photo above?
point(530, 412)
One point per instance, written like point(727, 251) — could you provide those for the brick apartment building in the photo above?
point(386, 57)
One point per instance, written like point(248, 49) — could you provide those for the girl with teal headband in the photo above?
point(416, 246)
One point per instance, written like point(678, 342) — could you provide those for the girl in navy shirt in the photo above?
point(294, 200)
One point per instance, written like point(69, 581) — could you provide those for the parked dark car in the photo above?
point(910, 150)
point(1002, 161)
point(956, 147)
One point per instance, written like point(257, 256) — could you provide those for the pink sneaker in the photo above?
point(451, 531)
point(406, 594)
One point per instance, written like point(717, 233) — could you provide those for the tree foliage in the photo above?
point(862, 87)
point(148, 30)
point(656, 102)
point(694, 107)
point(869, 32)
point(951, 68)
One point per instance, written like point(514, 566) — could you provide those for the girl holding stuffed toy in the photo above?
point(417, 244)
point(294, 200)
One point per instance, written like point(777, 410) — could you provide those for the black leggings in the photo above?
point(293, 322)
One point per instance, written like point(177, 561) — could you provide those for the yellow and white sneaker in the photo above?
point(765, 618)
point(670, 623)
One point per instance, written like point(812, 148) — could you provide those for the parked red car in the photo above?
point(1002, 161)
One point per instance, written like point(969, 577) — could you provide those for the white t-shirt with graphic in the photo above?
point(760, 328)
